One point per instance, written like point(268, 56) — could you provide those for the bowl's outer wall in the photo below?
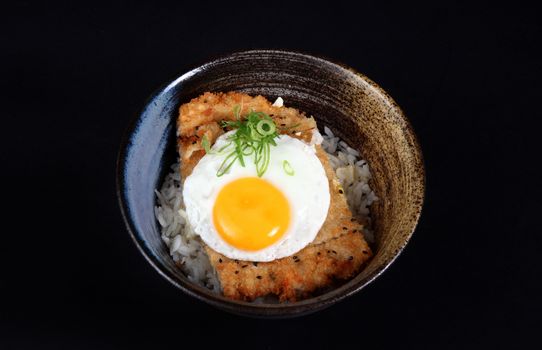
point(354, 107)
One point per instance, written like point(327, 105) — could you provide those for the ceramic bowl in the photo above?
point(352, 105)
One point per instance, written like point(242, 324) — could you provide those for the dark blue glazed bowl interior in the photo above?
point(336, 96)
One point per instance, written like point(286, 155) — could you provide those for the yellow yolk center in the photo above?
point(251, 214)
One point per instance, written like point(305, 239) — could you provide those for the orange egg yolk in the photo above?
point(251, 214)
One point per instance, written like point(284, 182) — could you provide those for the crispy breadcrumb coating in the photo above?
point(338, 251)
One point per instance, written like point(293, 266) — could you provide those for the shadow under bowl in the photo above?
point(350, 104)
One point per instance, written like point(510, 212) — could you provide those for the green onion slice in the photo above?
point(206, 145)
point(288, 168)
point(266, 127)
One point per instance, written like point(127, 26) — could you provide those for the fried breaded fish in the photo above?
point(338, 251)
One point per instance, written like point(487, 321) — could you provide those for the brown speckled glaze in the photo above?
point(353, 106)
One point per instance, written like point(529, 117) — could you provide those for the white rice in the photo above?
point(354, 175)
point(186, 248)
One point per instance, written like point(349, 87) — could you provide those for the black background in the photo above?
point(467, 76)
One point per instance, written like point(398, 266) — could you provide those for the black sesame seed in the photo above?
point(345, 228)
point(341, 191)
point(334, 252)
point(243, 266)
point(354, 231)
point(353, 219)
point(294, 257)
point(197, 127)
point(219, 260)
point(365, 252)
point(318, 253)
point(259, 277)
point(350, 257)
point(255, 263)
point(236, 272)
point(237, 261)
point(329, 251)
point(194, 142)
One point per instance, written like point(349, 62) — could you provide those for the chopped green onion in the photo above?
point(265, 127)
point(223, 148)
point(288, 168)
point(254, 136)
point(225, 167)
point(205, 144)
point(237, 112)
point(239, 152)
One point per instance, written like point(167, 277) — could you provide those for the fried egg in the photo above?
point(247, 217)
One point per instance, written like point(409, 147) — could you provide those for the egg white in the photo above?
point(307, 192)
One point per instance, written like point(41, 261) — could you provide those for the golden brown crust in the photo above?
point(339, 249)
point(295, 277)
